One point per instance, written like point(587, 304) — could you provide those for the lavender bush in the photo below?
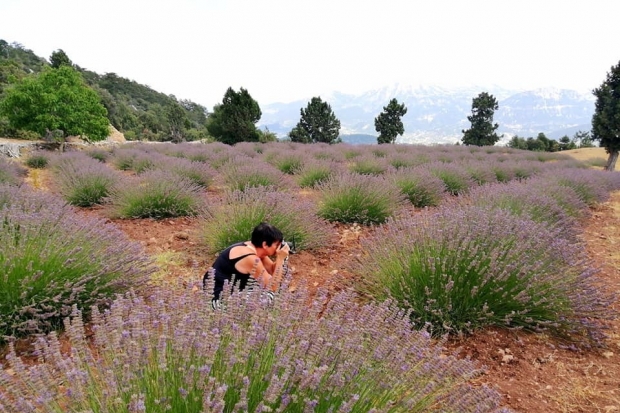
point(365, 199)
point(286, 161)
point(51, 259)
point(314, 172)
point(463, 268)
point(173, 353)
point(157, 194)
point(368, 165)
point(11, 172)
point(37, 159)
point(455, 177)
point(419, 186)
point(102, 155)
point(83, 181)
point(242, 172)
point(241, 211)
point(521, 199)
point(592, 186)
point(199, 173)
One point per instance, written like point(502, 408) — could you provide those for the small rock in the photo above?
point(181, 235)
point(608, 354)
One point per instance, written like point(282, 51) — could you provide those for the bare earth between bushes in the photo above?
point(533, 372)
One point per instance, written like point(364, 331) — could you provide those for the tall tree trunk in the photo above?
point(611, 161)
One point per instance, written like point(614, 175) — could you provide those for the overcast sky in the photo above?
point(283, 50)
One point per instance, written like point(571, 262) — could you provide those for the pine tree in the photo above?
point(389, 123)
point(606, 118)
point(482, 131)
point(318, 123)
point(234, 120)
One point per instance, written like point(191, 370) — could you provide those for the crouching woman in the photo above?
point(250, 263)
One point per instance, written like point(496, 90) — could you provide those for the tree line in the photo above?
point(59, 98)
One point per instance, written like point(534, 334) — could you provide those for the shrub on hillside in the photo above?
point(52, 259)
point(157, 194)
point(365, 199)
point(241, 211)
point(171, 352)
point(462, 269)
point(83, 181)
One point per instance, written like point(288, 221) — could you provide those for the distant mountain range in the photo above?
point(438, 115)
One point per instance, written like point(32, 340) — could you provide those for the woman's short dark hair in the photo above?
point(267, 233)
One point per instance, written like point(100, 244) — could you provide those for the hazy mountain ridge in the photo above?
point(438, 115)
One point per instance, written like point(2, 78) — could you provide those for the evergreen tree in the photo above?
point(482, 131)
point(318, 123)
point(60, 58)
point(606, 118)
point(234, 120)
point(56, 100)
point(389, 123)
point(583, 139)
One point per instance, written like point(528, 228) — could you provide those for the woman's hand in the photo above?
point(283, 251)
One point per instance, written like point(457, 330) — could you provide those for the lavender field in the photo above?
point(457, 240)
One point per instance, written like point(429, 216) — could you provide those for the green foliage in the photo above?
point(482, 131)
point(606, 118)
point(318, 123)
point(234, 120)
point(389, 123)
point(60, 58)
point(583, 139)
point(56, 99)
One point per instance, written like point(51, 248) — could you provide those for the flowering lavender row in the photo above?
point(157, 194)
point(82, 180)
point(51, 259)
point(11, 172)
point(365, 199)
point(240, 211)
point(461, 268)
point(172, 352)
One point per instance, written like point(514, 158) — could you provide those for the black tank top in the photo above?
point(224, 268)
